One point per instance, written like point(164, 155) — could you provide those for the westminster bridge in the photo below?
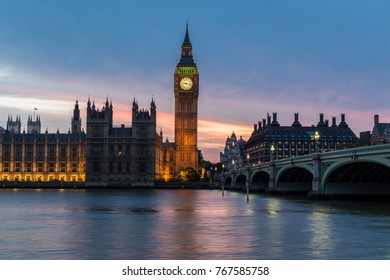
point(355, 171)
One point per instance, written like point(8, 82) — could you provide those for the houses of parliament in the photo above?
point(105, 155)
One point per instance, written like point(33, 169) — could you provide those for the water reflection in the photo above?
point(185, 224)
point(322, 240)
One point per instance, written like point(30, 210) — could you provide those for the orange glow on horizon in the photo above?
point(211, 134)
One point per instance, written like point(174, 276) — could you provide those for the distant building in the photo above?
point(365, 138)
point(270, 140)
point(233, 154)
point(34, 125)
point(380, 132)
point(14, 126)
point(41, 157)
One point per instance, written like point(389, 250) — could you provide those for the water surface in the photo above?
point(187, 224)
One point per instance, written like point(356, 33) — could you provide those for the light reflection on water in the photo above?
point(187, 224)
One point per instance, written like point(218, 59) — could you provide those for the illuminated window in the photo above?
point(28, 167)
point(74, 152)
point(74, 167)
point(40, 167)
point(17, 167)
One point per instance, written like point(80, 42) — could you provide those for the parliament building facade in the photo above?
point(106, 155)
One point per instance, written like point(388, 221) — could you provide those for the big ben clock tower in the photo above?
point(186, 89)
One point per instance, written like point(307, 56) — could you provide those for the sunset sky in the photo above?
point(254, 57)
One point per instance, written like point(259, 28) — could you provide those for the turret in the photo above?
point(34, 125)
point(134, 109)
point(12, 125)
point(153, 109)
point(76, 120)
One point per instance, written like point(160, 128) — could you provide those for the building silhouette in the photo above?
point(14, 126)
point(186, 92)
point(380, 132)
point(122, 156)
point(41, 157)
point(270, 140)
point(233, 153)
point(106, 155)
point(137, 155)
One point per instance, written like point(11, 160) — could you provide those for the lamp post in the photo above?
point(316, 138)
point(272, 152)
point(248, 159)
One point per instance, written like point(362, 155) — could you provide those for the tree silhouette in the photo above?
point(188, 175)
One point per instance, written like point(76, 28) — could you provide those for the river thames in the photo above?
point(188, 224)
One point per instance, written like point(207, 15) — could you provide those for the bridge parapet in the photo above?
point(293, 173)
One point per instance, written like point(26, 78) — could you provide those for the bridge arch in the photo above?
point(260, 181)
point(240, 182)
point(294, 179)
point(366, 177)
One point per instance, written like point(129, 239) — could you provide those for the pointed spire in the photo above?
point(187, 42)
point(107, 104)
point(186, 58)
point(89, 102)
point(135, 104)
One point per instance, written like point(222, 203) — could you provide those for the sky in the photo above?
point(254, 58)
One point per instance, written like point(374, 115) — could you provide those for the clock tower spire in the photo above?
point(186, 91)
point(186, 58)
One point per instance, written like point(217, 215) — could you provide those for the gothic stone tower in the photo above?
point(143, 162)
point(186, 90)
point(76, 120)
point(99, 124)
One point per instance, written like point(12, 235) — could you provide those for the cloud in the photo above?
point(255, 58)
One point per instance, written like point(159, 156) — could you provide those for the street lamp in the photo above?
point(316, 138)
point(272, 152)
point(248, 158)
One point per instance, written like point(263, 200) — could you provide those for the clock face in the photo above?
point(186, 83)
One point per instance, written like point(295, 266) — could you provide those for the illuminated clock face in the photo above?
point(186, 83)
